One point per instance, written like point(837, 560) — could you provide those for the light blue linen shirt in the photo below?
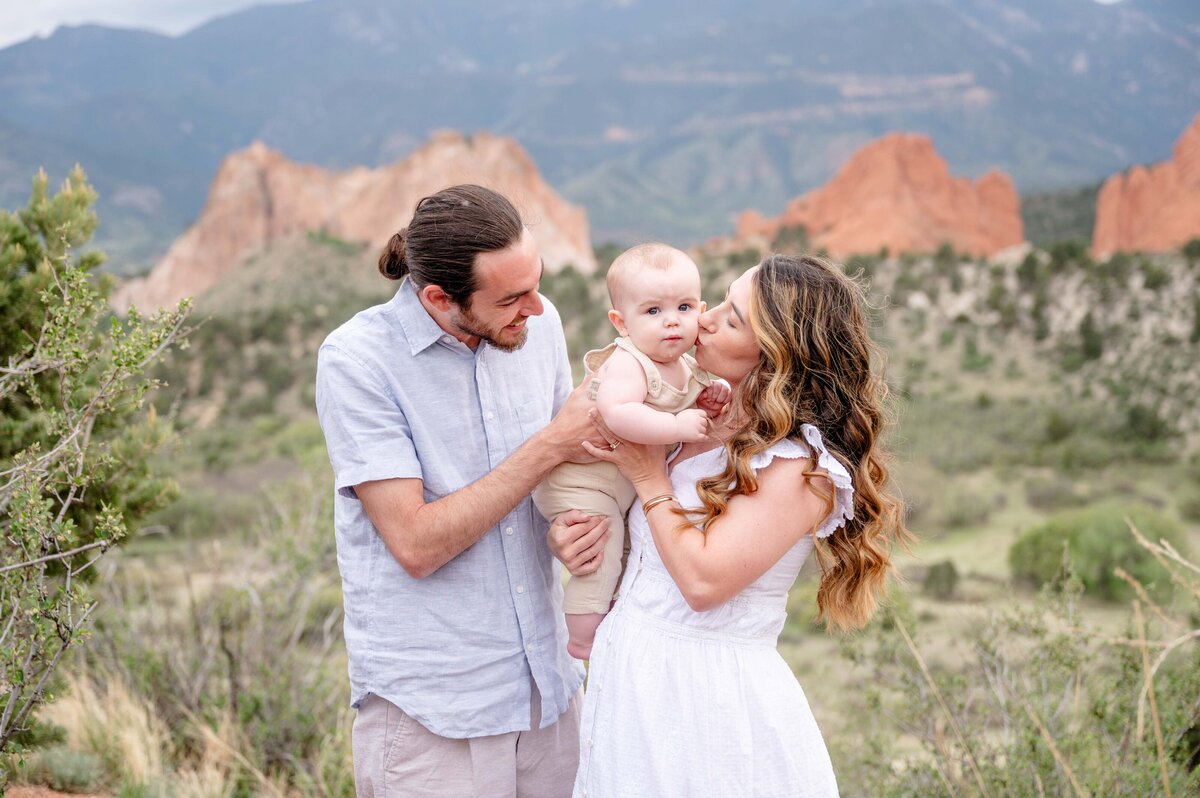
point(398, 397)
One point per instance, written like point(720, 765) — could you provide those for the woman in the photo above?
point(687, 694)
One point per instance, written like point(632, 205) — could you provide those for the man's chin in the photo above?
point(507, 341)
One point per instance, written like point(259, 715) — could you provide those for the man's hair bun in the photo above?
point(393, 263)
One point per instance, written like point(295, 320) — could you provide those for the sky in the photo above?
point(20, 19)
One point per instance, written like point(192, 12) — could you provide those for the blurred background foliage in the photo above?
point(1039, 401)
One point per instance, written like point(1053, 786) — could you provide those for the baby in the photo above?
point(645, 389)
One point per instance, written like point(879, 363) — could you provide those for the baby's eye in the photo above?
point(653, 311)
point(685, 307)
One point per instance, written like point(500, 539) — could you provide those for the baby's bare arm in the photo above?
point(620, 402)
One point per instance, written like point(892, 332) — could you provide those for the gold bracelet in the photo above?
point(650, 504)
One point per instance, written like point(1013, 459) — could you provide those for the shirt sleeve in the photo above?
point(366, 432)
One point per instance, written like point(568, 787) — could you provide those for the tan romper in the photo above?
point(599, 488)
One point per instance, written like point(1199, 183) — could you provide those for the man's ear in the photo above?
point(618, 321)
point(436, 298)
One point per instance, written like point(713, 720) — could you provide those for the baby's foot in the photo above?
point(581, 651)
point(581, 631)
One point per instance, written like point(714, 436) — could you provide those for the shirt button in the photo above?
point(490, 415)
point(529, 648)
point(508, 530)
point(520, 588)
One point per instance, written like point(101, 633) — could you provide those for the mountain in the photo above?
point(1152, 208)
point(661, 120)
point(897, 194)
point(259, 197)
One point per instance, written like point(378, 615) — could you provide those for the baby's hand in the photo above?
point(692, 425)
point(712, 400)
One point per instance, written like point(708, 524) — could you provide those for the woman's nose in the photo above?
point(706, 320)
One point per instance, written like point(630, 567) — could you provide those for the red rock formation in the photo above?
point(896, 192)
point(259, 195)
point(1152, 209)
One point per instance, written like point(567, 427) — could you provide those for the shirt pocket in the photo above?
point(533, 415)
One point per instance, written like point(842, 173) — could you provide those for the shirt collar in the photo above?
point(419, 327)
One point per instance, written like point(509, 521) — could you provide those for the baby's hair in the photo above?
point(653, 255)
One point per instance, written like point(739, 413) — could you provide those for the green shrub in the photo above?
point(1155, 276)
point(961, 510)
point(76, 442)
point(62, 768)
point(1195, 335)
point(1097, 542)
point(1055, 493)
point(1059, 426)
point(941, 580)
point(1191, 251)
point(1189, 507)
point(972, 358)
point(1091, 341)
point(792, 240)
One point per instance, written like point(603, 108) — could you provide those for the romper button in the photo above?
point(490, 415)
point(520, 588)
point(508, 530)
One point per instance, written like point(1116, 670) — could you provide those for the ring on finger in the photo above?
point(614, 444)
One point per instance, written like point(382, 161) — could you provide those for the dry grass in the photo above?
point(102, 716)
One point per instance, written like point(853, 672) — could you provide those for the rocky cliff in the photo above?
point(259, 196)
point(1154, 208)
point(898, 193)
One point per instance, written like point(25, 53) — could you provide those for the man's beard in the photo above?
point(466, 323)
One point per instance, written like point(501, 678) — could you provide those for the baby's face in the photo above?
point(659, 309)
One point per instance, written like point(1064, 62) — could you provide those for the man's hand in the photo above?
point(713, 399)
point(571, 426)
point(577, 540)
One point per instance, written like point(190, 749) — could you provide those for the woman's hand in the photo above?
point(639, 463)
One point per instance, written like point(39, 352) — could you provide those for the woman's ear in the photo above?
point(618, 321)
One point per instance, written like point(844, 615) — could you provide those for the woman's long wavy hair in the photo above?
point(815, 368)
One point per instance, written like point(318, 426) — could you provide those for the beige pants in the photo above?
point(396, 757)
point(597, 489)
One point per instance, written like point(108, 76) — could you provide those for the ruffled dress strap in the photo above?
point(813, 444)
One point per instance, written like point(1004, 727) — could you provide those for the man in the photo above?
point(437, 409)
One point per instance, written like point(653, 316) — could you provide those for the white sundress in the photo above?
point(686, 703)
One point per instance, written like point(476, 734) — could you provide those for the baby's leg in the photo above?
point(597, 489)
point(586, 599)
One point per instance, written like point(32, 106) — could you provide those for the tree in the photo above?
point(75, 437)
